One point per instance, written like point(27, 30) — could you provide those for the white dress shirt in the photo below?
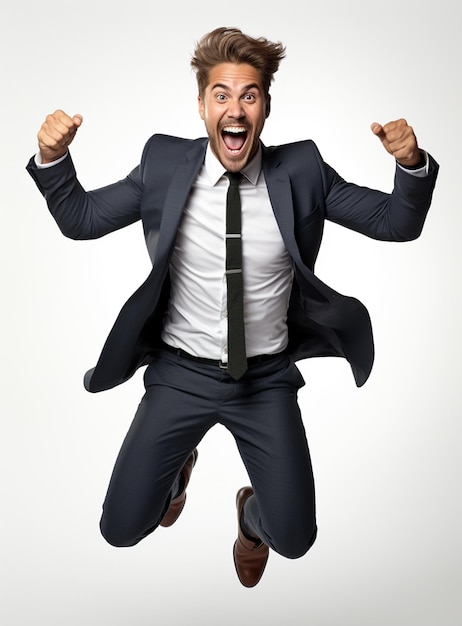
point(196, 320)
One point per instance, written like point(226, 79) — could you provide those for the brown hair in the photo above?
point(230, 45)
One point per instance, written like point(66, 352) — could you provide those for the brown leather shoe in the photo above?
point(177, 504)
point(250, 557)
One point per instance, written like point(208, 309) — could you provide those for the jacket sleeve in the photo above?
point(84, 214)
point(398, 216)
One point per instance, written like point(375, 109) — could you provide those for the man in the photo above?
point(201, 368)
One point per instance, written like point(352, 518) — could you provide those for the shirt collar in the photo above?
point(215, 170)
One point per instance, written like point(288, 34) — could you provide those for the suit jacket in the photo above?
point(304, 191)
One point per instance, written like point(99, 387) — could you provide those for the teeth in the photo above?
point(234, 129)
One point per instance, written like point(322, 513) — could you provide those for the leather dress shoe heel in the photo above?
point(250, 556)
point(177, 504)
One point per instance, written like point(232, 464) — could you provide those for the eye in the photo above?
point(249, 97)
point(220, 97)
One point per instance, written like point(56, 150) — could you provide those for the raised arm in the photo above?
point(80, 214)
point(398, 216)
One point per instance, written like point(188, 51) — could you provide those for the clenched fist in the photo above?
point(399, 140)
point(56, 134)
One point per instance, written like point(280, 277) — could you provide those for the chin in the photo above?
point(235, 162)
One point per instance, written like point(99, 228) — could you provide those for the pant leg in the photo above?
point(267, 425)
point(169, 423)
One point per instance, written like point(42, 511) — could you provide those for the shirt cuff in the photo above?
point(44, 166)
point(420, 172)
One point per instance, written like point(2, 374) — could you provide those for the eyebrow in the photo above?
point(227, 88)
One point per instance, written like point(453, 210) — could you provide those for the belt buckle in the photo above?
point(222, 366)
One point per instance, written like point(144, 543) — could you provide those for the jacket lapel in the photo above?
point(279, 188)
point(176, 198)
point(278, 184)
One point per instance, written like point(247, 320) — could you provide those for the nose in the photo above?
point(235, 109)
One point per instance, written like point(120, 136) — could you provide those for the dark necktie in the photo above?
point(237, 361)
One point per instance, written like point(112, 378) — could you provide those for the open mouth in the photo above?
point(234, 138)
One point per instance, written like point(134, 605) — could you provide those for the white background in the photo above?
point(386, 457)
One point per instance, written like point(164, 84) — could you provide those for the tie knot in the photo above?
point(234, 177)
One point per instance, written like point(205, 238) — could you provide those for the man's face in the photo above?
point(234, 109)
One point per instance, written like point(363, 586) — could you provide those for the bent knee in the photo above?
point(295, 545)
point(116, 536)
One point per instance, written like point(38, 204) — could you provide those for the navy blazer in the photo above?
point(304, 191)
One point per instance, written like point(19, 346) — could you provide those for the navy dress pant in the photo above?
point(183, 400)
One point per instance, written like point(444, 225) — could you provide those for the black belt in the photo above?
point(253, 360)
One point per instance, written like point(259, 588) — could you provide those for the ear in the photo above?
point(268, 105)
point(201, 106)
